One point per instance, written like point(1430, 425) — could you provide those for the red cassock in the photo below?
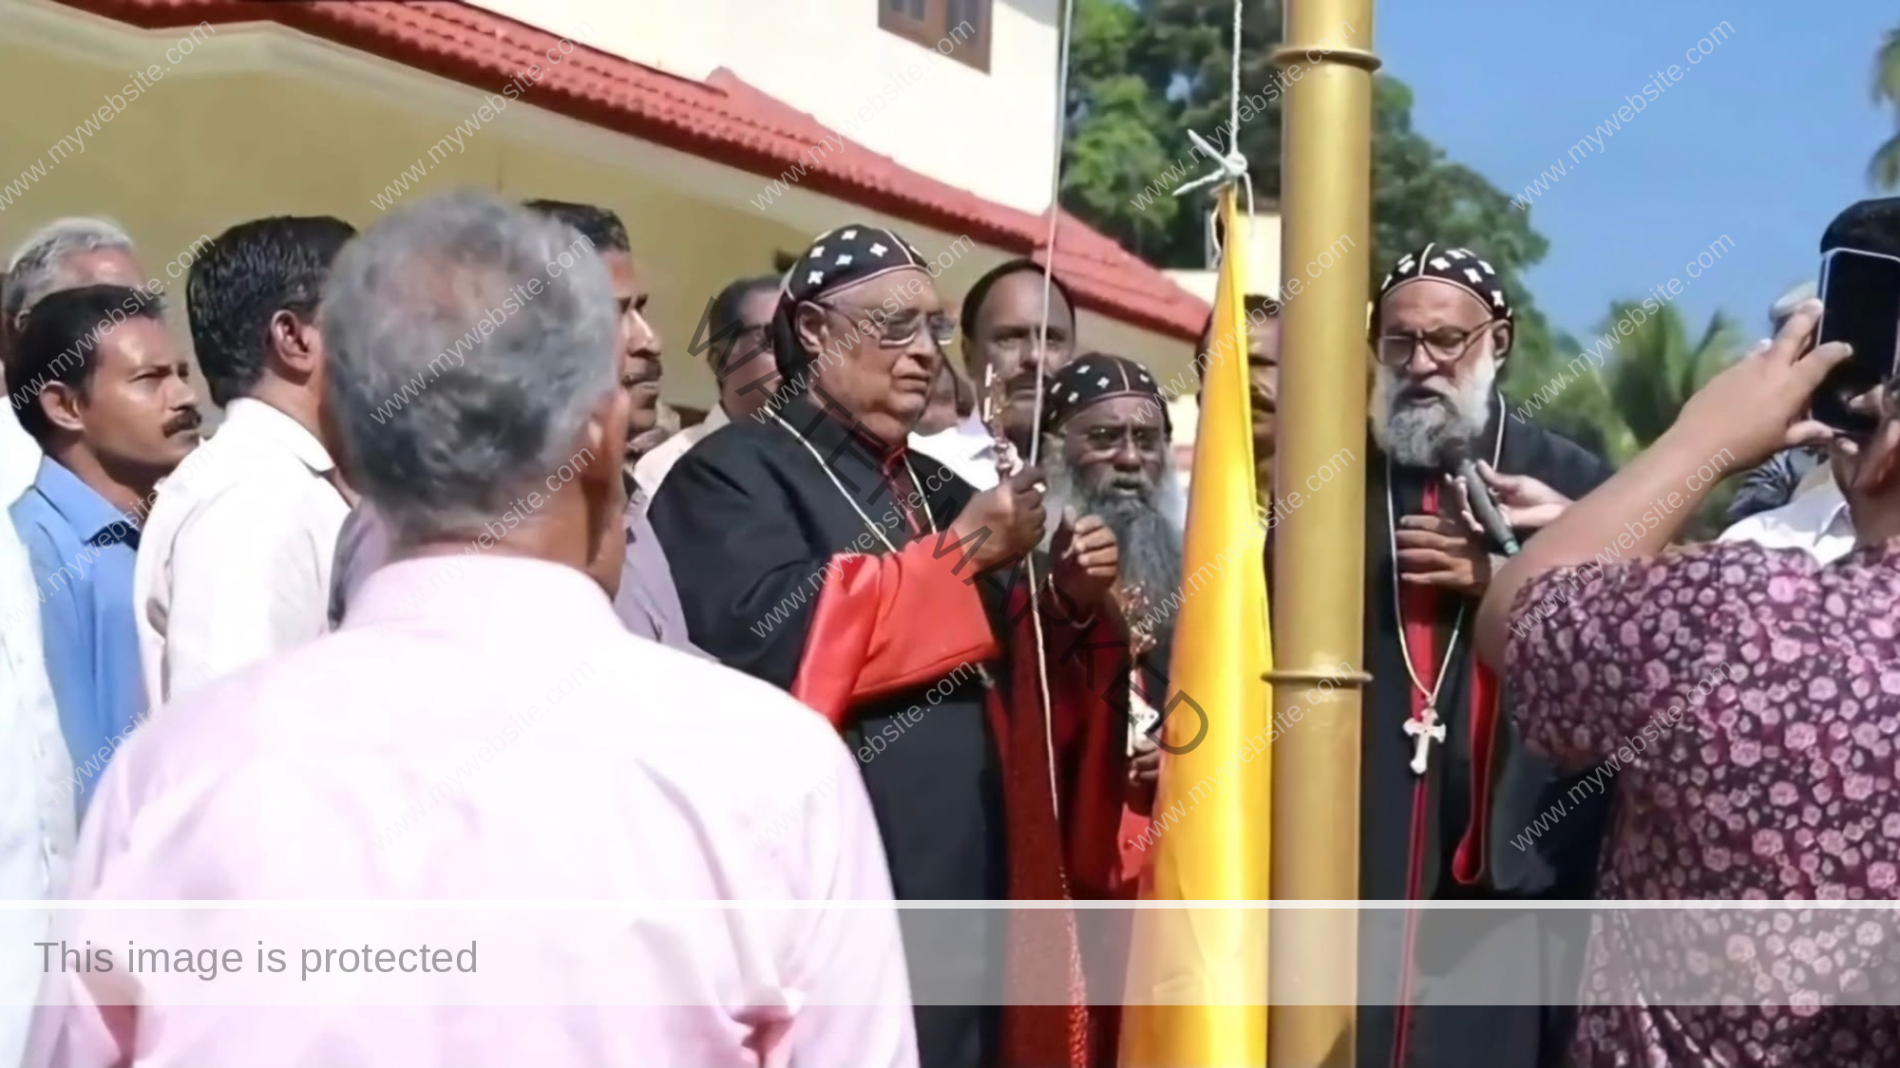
point(895, 621)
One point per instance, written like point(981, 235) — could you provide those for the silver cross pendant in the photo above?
point(1424, 731)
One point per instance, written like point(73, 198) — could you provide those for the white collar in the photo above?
point(254, 416)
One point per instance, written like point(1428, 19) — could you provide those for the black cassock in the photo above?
point(776, 532)
point(1454, 833)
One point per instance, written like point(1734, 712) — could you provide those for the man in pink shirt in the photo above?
point(483, 728)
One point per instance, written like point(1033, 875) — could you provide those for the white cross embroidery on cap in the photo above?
point(1487, 267)
point(844, 260)
point(1440, 262)
point(1073, 394)
point(817, 251)
point(1476, 278)
point(1457, 254)
point(814, 278)
point(878, 250)
point(1497, 299)
point(849, 235)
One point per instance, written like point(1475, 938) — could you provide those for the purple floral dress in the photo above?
point(1746, 703)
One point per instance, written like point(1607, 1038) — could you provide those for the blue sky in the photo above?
point(1762, 142)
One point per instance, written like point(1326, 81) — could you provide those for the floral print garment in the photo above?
point(1745, 705)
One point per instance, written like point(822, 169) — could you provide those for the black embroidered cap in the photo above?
point(1095, 377)
point(838, 258)
point(1459, 266)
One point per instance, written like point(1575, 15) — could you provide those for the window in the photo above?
point(959, 29)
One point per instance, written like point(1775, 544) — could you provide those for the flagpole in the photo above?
point(1319, 545)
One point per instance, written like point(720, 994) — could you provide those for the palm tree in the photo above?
point(1884, 171)
point(1653, 372)
point(1654, 369)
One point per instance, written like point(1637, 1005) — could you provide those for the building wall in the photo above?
point(258, 121)
point(991, 133)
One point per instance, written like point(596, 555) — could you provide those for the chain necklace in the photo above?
point(1425, 726)
point(853, 501)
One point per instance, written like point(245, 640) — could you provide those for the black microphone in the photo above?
point(1483, 504)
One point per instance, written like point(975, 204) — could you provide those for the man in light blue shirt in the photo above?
point(100, 384)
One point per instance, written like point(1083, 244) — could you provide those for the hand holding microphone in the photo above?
point(1495, 505)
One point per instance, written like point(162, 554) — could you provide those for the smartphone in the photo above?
point(1860, 292)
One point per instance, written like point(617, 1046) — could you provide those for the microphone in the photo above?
point(1483, 504)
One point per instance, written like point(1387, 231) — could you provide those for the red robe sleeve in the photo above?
point(887, 622)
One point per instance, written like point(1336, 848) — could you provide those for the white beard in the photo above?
point(1414, 432)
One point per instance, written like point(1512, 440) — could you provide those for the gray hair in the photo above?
point(468, 340)
point(1783, 309)
point(34, 269)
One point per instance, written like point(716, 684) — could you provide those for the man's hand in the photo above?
point(1087, 561)
point(1527, 504)
point(1007, 520)
point(1755, 407)
point(1436, 551)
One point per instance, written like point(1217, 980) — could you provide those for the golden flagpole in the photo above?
point(1319, 546)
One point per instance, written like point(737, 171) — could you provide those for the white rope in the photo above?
point(1042, 339)
point(1230, 167)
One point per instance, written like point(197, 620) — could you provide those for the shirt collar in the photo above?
point(82, 507)
point(1820, 511)
point(474, 590)
point(253, 416)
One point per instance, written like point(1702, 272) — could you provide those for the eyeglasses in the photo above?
point(1447, 344)
point(895, 330)
point(1146, 439)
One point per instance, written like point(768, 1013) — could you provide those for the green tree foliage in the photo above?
point(1650, 374)
point(1884, 171)
point(1144, 72)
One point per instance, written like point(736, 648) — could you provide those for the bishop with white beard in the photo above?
point(1446, 790)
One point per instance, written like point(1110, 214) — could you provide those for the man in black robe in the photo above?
point(1446, 790)
point(813, 549)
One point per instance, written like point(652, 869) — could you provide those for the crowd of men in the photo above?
point(840, 642)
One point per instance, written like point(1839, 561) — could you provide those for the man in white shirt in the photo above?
point(234, 561)
point(36, 774)
point(1816, 521)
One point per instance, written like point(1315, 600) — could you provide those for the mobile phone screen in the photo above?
point(1861, 292)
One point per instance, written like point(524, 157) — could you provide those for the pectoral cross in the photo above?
point(1424, 731)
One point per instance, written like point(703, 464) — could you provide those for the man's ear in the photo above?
point(59, 402)
point(295, 343)
point(1502, 337)
point(808, 321)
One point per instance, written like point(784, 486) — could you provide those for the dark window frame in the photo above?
point(931, 31)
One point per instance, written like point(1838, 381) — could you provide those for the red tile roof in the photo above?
point(722, 119)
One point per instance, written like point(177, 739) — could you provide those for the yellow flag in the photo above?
point(1197, 976)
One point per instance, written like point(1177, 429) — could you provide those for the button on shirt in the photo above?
point(484, 729)
point(1817, 522)
point(83, 552)
point(234, 562)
